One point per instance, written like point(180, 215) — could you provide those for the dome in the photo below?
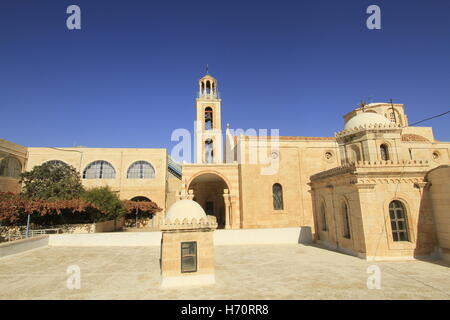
point(188, 209)
point(365, 118)
point(208, 77)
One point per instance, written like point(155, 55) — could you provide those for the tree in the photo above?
point(52, 181)
point(105, 201)
point(14, 208)
point(146, 207)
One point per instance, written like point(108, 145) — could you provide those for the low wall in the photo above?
point(262, 236)
point(221, 237)
point(146, 239)
point(109, 226)
point(106, 239)
point(105, 226)
point(19, 246)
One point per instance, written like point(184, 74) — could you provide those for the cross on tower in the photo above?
point(362, 105)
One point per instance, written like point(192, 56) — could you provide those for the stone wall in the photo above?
point(299, 158)
point(439, 194)
point(121, 159)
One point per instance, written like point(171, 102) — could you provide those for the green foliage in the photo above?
point(106, 201)
point(52, 181)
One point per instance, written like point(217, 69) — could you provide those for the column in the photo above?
point(226, 199)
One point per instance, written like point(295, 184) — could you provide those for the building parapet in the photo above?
point(207, 224)
point(354, 166)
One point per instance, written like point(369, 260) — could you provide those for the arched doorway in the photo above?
point(209, 193)
point(139, 218)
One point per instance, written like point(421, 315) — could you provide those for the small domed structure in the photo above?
point(366, 118)
point(185, 209)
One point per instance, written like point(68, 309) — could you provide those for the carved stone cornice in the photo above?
point(210, 223)
point(369, 127)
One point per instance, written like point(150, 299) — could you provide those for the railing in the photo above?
point(31, 233)
point(215, 95)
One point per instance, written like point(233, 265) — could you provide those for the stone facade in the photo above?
point(160, 189)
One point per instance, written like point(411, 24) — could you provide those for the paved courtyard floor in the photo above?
point(242, 272)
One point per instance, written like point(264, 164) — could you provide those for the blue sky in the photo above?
point(128, 78)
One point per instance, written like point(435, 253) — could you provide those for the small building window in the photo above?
point(399, 225)
point(189, 256)
point(141, 170)
point(277, 192)
point(99, 170)
point(384, 150)
point(346, 221)
point(323, 217)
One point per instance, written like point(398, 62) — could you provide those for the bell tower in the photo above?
point(208, 129)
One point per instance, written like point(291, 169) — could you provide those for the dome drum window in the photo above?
point(384, 151)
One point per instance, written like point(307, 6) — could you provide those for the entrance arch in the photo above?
point(211, 192)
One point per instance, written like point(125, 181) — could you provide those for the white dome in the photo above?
point(185, 209)
point(365, 118)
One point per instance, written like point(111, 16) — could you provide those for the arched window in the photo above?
point(99, 170)
point(384, 150)
point(399, 222)
point(208, 118)
point(323, 217)
point(10, 167)
point(209, 151)
point(277, 192)
point(346, 221)
point(141, 170)
point(140, 199)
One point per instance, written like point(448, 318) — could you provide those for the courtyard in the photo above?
point(278, 271)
